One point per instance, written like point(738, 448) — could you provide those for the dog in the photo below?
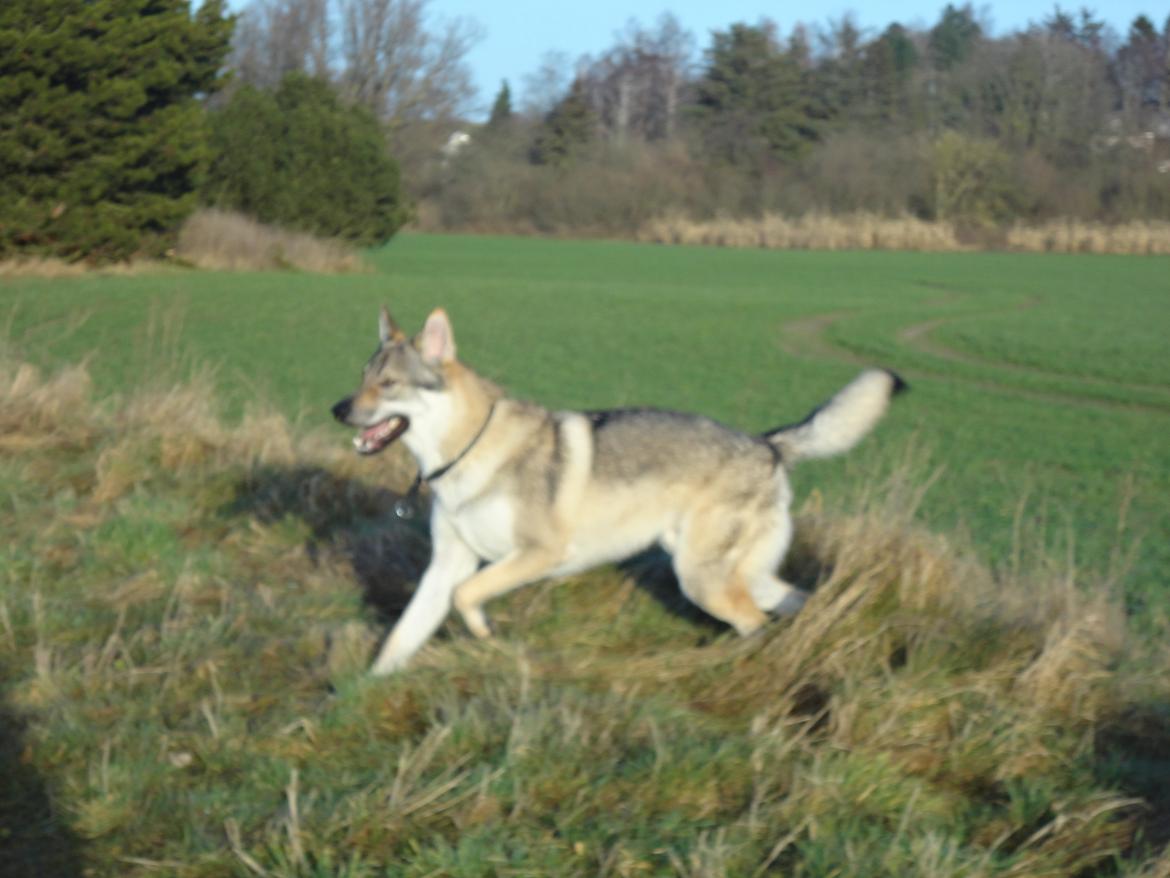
point(522, 493)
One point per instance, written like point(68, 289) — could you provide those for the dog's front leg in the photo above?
point(452, 561)
point(519, 568)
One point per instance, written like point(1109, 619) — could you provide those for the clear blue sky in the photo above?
point(517, 33)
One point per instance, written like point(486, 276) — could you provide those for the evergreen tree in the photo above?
point(300, 158)
point(750, 102)
point(567, 127)
point(1143, 70)
point(501, 114)
point(102, 142)
point(953, 38)
point(840, 81)
point(888, 63)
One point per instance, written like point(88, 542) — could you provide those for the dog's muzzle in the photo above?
point(375, 437)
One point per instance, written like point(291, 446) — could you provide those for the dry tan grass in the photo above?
point(59, 268)
point(859, 231)
point(219, 241)
point(1076, 236)
point(224, 241)
point(174, 427)
point(864, 231)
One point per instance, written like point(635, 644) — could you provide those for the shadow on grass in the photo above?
point(34, 840)
point(350, 521)
point(1133, 754)
point(652, 572)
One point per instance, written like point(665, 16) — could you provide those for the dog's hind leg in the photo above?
point(725, 596)
point(761, 555)
point(452, 561)
point(519, 568)
point(725, 564)
point(713, 583)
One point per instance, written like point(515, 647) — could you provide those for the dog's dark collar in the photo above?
point(404, 508)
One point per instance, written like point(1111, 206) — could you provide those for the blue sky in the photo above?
point(517, 33)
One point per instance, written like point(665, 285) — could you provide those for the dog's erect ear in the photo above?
point(438, 339)
point(388, 330)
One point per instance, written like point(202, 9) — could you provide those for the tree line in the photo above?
point(118, 117)
point(1064, 118)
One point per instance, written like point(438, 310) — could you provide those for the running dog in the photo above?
point(521, 493)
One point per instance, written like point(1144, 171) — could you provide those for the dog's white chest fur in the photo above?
point(488, 526)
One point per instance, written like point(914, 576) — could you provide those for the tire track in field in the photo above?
point(918, 336)
point(806, 338)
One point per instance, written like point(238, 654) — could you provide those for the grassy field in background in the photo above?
point(1042, 388)
point(195, 569)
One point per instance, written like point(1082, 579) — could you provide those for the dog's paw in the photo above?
point(477, 623)
point(790, 604)
point(387, 664)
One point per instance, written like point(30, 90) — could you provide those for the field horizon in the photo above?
point(196, 568)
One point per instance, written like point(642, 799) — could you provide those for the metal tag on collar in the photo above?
point(406, 507)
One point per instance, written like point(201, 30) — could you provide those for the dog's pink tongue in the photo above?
point(371, 434)
point(377, 437)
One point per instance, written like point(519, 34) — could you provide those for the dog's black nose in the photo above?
point(342, 409)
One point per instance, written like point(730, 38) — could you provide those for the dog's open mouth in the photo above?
point(373, 439)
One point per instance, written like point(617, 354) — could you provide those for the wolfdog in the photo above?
point(520, 493)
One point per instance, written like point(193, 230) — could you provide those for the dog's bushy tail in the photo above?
point(840, 423)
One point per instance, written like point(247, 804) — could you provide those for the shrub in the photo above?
point(299, 158)
point(972, 180)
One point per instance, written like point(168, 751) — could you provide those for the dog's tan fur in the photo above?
point(536, 493)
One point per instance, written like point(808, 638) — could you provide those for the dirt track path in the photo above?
point(807, 338)
point(918, 336)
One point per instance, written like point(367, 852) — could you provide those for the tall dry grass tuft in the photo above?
point(171, 428)
point(36, 411)
point(815, 231)
point(225, 241)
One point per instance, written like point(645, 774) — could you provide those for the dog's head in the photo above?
point(403, 381)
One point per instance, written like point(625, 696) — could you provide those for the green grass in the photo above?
point(1041, 385)
point(187, 604)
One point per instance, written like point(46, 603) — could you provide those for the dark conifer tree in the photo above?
point(102, 138)
point(300, 158)
point(501, 114)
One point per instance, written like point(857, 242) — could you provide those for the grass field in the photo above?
point(187, 600)
point(1042, 382)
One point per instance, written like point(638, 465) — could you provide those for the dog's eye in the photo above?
point(387, 383)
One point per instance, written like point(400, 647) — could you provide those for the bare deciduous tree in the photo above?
point(388, 55)
point(397, 65)
point(547, 85)
point(635, 87)
point(276, 37)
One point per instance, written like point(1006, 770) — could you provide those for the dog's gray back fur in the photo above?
point(630, 444)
